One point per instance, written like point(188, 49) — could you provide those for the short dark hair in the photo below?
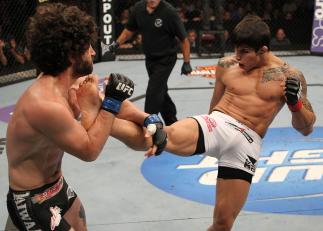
point(251, 31)
point(56, 33)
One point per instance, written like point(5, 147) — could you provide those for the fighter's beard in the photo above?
point(82, 68)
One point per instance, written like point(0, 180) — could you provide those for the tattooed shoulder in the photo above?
point(294, 73)
point(274, 74)
point(226, 62)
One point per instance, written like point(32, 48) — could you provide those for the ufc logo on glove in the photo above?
point(125, 88)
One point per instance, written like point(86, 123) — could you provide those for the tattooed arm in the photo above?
point(219, 87)
point(303, 119)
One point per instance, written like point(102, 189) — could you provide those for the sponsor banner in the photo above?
point(288, 179)
point(317, 29)
point(2, 144)
point(107, 29)
point(6, 112)
point(204, 71)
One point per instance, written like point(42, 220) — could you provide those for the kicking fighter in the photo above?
point(251, 88)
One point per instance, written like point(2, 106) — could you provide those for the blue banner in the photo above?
point(317, 31)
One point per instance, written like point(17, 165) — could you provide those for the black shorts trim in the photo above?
point(234, 173)
point(200, 145)
point(36, 190)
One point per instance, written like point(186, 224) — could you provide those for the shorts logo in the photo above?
point(210, 123)
point(158, 22)
point(250, 164)
point(70, 193)
point(242, 130)
point(288, 178)
point(21, 205)
point(56, 217)
point(48, 193)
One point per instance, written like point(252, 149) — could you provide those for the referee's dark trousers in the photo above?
point(157, 97)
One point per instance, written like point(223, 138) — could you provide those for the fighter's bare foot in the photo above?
point(89, 100)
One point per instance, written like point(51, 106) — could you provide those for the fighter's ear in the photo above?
point(263, 49)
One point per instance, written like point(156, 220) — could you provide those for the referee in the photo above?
point(161, 28)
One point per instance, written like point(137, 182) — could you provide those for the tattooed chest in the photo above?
point(270, 86)
point(265, 85)
point(273, 74)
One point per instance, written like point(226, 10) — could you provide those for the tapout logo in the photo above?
point(288, 179)
point(107, 21)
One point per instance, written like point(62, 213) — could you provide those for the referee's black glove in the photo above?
point(113, 46)
point(186, 68)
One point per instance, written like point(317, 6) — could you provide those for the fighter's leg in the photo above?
point(231, 195)
point(130, 134)
point(183, 137)
point(75, 216)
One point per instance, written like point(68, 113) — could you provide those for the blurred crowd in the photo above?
point(13, 51)
point(14, 56)
point(290, 20)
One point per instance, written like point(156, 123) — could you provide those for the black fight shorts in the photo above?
point(42, 208)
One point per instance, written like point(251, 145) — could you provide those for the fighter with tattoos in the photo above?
point(251, 88)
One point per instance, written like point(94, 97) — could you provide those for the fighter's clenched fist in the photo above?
point(293, 92)
point(118, 89)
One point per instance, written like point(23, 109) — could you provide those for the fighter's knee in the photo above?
point(223, 221)
point(211, 228)
point(223, 224)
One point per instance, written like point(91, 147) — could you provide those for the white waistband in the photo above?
point(226, 117)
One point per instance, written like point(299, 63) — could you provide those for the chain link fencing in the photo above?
point(209, 24)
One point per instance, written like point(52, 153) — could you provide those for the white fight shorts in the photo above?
point(234, 144)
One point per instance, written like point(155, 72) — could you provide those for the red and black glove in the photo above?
point(293, 94)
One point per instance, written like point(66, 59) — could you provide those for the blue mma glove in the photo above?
point(160, 136)
point(118, 89)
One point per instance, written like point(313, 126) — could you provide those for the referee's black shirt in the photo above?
point(158, 29)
